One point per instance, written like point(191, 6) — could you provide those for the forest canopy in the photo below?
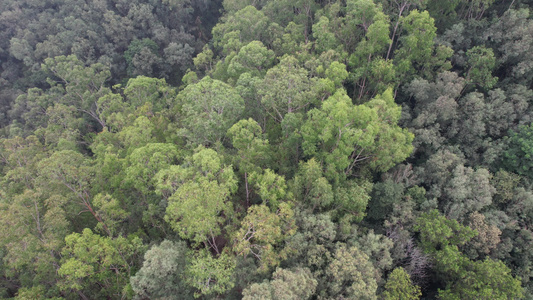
point(266, 149)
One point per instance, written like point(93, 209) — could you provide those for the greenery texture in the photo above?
point(266, 149)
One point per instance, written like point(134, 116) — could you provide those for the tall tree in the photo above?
point(262, 234)
point(287, 89)
point(209, 108)
point(198, 201)
point(285, 284)
point(399, 286)
point(344, 136)
point(163, 272)
point(90, 261)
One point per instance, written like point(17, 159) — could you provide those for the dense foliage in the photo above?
point(266, 149)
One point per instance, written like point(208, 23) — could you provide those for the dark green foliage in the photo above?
point(438, 232)
point(519, 155)
point(481, 61)
point(400, 287)
point(384, 196)
point(465, 279)
point(141, 56)
point(285, 284)
point(163, 273)
point(486, 279)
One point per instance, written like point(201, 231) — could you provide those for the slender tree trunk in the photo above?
point(247, 191)
point(403, 7)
